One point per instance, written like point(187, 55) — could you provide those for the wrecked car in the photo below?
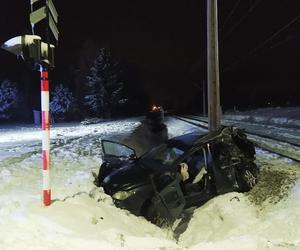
point(153, 186)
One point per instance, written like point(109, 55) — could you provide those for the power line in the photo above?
point(253, 51)
point(230, 15)
point(275, 34)
point(287, 39)
point(241, 20)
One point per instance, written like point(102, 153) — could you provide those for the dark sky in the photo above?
point(166, 42)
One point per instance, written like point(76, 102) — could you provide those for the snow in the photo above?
point(232, 222)
point(62, 101)
point(288, 116)
point(103, 86)
point(8, 99)
point(83, 216)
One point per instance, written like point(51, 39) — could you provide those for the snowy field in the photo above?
point(83, 217)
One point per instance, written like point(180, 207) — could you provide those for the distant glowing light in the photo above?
point(156, 108)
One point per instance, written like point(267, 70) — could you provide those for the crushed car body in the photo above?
point(155, 187)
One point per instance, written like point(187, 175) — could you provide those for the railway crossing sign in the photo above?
point(32, 49)
point(47, 12)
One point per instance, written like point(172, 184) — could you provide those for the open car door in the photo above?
point(169, 202)
point(117, 150)
point(115, 154)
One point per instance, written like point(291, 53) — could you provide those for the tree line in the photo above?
point(101, 90)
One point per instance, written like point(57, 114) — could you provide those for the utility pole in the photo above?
point(213, 81)
point(204, 98)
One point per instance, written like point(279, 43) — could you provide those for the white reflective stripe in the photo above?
point(46, 180)
point(45, 100)
point(46, 140)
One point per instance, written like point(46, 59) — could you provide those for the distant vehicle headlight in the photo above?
point(122, 195)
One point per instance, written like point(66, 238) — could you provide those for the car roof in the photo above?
point(186, 141)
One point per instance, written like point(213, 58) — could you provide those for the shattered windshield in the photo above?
point(161, 156)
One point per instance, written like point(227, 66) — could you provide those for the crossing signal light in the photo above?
point(31, 48)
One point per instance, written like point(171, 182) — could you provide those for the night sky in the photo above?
point(165, 42)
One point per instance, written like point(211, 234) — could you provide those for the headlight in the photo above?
point(122, 195)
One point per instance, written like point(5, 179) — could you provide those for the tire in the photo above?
point(247, 177)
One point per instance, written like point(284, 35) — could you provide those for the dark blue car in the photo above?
point(152, 185)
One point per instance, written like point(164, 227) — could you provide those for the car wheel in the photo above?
point(247, 177)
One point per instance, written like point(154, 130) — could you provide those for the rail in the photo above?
point(283, 147)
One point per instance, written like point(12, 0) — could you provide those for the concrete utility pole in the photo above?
point(204, 98)
point(213, 81)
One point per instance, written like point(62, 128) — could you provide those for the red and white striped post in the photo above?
point(45, 135)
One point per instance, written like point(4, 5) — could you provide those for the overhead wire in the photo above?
point(229, 15)
point(287, 39)
point(261, 45)
point(252, 7)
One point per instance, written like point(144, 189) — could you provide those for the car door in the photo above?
point(115, 156)
point(117, 150)
point(169, 202)
point(222, 170)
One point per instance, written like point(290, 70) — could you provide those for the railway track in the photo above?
point(269, 131)
point(282, 146)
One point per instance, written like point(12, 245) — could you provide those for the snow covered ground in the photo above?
point(83, 217)
point(288, 116)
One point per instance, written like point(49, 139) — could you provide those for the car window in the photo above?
point(197, 162)
point(116, 149)
point(161, 155)
point(199, 159)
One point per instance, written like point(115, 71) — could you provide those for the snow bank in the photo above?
point(231, 221)
point(83, 217)
point(86, 220)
